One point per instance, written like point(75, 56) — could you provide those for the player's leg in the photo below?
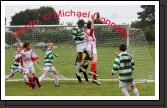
point(45, 73)
point(25, 77)
point(84, 73)
point(122, 87)
point(56, 77)
point(13, 72)
point(135, 90)
point(35, 78)
point(93, 69)
point(79, 58)
point(31, 80)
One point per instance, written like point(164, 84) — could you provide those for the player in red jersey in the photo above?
point(27, 57)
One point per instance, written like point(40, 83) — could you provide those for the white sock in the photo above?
point(78, 66)
point(25, 78)
point(125, 92)
point(42, 77)
point(56, 80)
point(135, 91)
point(7, 77)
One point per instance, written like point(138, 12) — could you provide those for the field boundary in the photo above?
point(113, 80)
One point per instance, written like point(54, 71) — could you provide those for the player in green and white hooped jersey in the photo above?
point(48, 64)
point(124, 65)
point(16, 67)
point(81, 47)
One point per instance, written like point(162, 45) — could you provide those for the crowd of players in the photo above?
point(86, 54)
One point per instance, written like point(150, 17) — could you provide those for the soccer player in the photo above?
point(48, 64)
point(85, 66)
point(27, 57)
point(79, 37)
point(124, 65)
point(16, 66)
point(91, 48)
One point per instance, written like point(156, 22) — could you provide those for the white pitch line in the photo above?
point(113, 80)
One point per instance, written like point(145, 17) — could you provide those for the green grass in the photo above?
point(73, 88)
point(144, 69)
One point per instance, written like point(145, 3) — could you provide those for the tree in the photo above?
point(146, 21)
point(147, 16)
point(24, 17)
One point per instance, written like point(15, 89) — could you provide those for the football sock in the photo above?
point(56, 80)
point(31, 82)
point(85, 76)
point(7, 77)
point(135, 91)
point(125, 92)
point(93, 67)
point(42, 77)
point(78, 66)
point(78, 77)
point(94, 76)
point(25, 78)
point(37, 81)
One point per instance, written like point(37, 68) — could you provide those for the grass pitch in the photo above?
point(73, 88)
point(65, 64)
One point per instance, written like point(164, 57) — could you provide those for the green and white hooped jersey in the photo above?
point(15, 64)
point(49, 56)
point(124, 65)
point(78, 32)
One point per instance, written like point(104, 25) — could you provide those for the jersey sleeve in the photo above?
point(34, 56)
point(116, 65)
point(74, 33)
point(18, 57)
point(133, 64)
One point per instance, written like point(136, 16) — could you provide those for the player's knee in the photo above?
point(133, 86)
point(79, 58)
point(45, 73)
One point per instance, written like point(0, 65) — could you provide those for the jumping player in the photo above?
point(91, 48)
point(79, 37)
point(124, 65)
point(27, 57)
point(16, 66)
point(48, 64)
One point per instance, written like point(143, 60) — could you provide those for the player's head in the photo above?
point(17, 47)
point(89, 24)
point(50, 45)
point(122, 47)
point(81, 23)
point(26, 45)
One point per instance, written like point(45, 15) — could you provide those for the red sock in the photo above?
point(36, 80)
point(94, 77)
point(31, 82)
point(93, 67)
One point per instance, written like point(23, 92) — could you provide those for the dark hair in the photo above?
point(25, 44)
point(89, 25)
point(81, 22)
point(122, 47)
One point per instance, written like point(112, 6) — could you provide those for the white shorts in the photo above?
point(81, 47)
point(15, 70)
point(124, 85)
point(26, 70)
point(49, 68)
point(92, 48)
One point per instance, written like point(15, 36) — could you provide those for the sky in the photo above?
point(120, 14)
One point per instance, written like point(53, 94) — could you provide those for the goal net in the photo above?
point(108, 40)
